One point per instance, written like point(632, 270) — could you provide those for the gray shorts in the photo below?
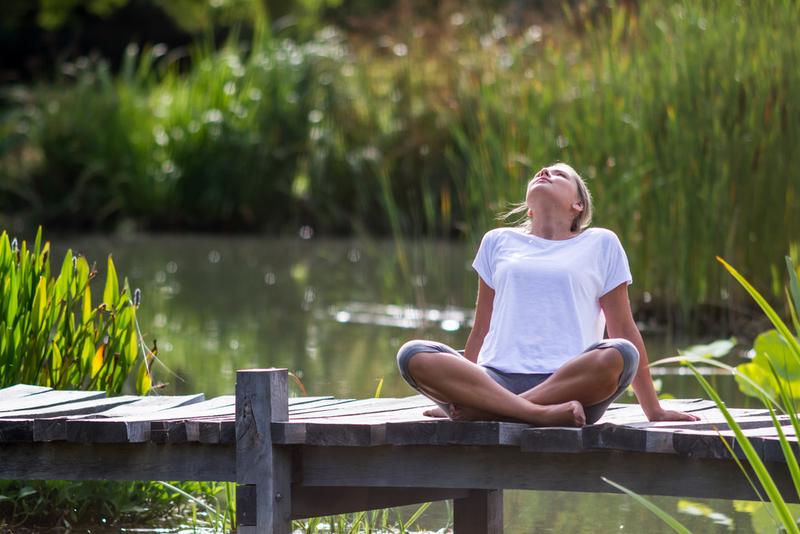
point(520, 382)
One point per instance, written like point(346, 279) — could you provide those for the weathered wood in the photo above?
point(366, 406)
point(479, 513)
point(299, 401)
point(21, 390)
point(317, 501)
point(147, 405)
point(261, 399)
point(47, 398)
point(318, 405)
point(72, 408)
point(119, 461)
point(138, 428)
point(446, 432)
point(16, 430)
point(511, 468)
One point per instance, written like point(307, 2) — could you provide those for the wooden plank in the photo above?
point(47, 398)
point(222, 405)
point(447, 432)
point(71, 408)
point(153, 404)
point(511, 468)
point(142, 461)
point(298, 401)
point(319, 501)
point(136, 429)
point(261, 399)
point(16, 430)
point(552, 439)
point(712, 421)
point(21, 390)
point(55, 429)
point(408, 414)
point(367, 406)
point(479, 513)
point(212, 430)
point(318, 406)
point(633, 412)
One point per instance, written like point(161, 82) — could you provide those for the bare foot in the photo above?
point(434, 412)
point(564, 414)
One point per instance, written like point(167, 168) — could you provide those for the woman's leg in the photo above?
point(591, 377)
point(451, 378)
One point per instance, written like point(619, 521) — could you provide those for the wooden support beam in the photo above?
point(262, 397)
point(510, 468)
point(59, 460)
point(481, 512)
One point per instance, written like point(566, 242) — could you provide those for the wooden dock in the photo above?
point(311, 456)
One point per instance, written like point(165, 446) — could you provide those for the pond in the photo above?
point(335, 312)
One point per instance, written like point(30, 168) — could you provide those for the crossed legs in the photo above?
point(585, 380)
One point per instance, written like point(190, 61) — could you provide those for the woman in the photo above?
point(546, 292)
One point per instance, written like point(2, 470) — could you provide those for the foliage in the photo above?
point(676, 112)
point(50, 332)
point(776, 361)
point(66, 505)
point(775, 370)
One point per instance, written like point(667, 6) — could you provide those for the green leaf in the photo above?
point(768, 310)
point(143, 379)
point(111, 291)
point(770, 346)
point(794, 291)
point(39, 305)
point(752, 456)
point(673, 523)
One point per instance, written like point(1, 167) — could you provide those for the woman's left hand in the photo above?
point(672, 415)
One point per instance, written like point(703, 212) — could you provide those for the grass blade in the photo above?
point(780, 326)
point(673, 523)
point(755, 461)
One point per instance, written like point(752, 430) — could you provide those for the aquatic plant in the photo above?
point(771, 379)
point(51, 332)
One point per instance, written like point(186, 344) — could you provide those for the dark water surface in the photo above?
point(335, 312)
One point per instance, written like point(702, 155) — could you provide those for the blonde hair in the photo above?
point(581, 221)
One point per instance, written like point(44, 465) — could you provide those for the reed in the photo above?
point(53, 335)
point(683, 119)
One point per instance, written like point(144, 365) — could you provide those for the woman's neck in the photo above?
point(551, 229)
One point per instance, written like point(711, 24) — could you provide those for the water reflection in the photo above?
point(450, 319)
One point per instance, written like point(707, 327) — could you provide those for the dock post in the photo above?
point(263, 472)
point(479, 513)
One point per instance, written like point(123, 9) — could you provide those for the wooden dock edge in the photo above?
point(266, 499)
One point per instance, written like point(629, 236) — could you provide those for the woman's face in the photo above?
point(556, 182)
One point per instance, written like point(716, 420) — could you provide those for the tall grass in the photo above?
point(52, 334)
point(681, 116)
point(683, 119)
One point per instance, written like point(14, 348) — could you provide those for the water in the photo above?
point(335, 312)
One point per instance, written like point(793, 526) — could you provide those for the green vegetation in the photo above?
point(50, 332)
point(774, 369)
point(677, 112)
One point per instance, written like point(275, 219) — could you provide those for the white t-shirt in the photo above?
point(546, 301)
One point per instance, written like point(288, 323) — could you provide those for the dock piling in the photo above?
point(263, 471)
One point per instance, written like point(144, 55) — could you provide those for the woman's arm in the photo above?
point(483, 317)
point(620, 323)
